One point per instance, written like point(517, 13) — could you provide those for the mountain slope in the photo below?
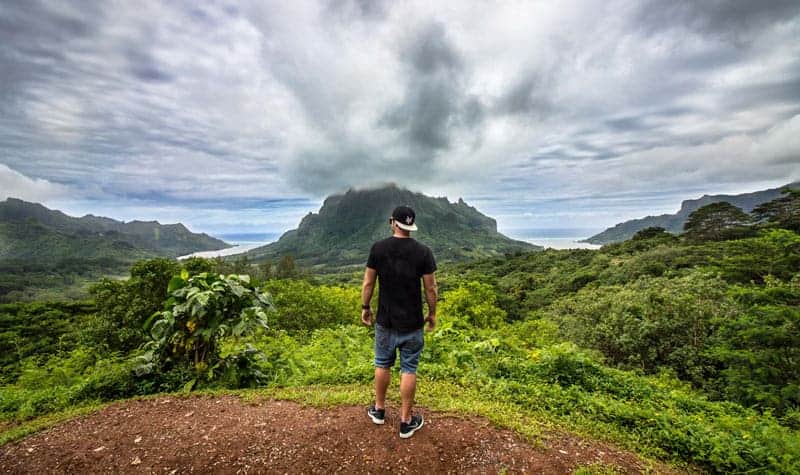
point(346, 225)
point(24, 224)
point(673, 223)
point(46, 254)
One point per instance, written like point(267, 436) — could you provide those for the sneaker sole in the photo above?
point(411, 432)
point(375, 420)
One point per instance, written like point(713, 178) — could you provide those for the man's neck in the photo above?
point(398, 234)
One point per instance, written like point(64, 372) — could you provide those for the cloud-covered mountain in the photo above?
point(346, 225)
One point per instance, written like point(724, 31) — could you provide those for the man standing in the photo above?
point(399, 262)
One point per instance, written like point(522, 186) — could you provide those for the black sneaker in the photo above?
point(407, 429)
point(377, 415)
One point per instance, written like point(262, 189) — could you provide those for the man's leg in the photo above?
point(382, 378)
point(408, 386)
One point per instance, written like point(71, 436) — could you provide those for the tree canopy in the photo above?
point(716, 222)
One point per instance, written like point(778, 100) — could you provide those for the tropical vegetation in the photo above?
point(684, 348)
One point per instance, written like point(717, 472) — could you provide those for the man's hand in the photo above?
point(431, 322)
point(366, 317)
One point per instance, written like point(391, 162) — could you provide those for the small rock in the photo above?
point(102, 447)
point(563, 451)
point(136, 461)
point(137, 440)
point(189, 414)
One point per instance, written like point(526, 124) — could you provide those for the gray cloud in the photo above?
point(732, 19)
point(530, 94)
point(435, 100)
point(184, 102)
point(430, 51)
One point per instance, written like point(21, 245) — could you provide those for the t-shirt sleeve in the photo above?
point(372, 260)
point(428, 263)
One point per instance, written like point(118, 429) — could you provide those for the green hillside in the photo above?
point(346, 225)
point(673, 223)
point(45, 252)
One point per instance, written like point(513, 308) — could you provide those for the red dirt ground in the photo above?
point(226, 435)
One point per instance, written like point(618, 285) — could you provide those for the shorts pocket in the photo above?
point(382, 338)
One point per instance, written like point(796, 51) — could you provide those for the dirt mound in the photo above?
point(227, 435)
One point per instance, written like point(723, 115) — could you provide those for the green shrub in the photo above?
point(472, 304)
point(303, 307)
point(202, 310)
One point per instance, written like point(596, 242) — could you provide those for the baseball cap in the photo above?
point(404, 217)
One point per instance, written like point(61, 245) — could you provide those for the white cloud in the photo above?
point(16, 185)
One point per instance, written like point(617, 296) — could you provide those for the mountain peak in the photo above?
point(347, 224)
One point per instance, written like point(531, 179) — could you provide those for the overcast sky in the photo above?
point(244, 116)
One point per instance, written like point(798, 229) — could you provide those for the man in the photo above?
point(399, 262)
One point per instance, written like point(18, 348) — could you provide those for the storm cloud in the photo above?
point(543, 113)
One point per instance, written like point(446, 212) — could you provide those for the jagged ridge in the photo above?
point(346, 225)
point(673, 223)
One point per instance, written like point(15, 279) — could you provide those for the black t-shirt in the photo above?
point(400, 263)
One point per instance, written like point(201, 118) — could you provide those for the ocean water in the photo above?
point(249, 238)
point(552, 238)
point(242, 242)
point(555, 238)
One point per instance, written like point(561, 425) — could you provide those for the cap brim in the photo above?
point(406, 227)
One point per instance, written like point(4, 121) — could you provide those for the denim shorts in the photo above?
point(388, 340)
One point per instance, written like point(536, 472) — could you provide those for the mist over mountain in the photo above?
point(346, 225)
point(673, 223)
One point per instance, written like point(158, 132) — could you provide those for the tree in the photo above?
point(650, 233)
point(717, 222)
point(200, 311)
point(265, 270)
point(124, 305)
point(241, 265)
point(286, 268)
point(783, 212)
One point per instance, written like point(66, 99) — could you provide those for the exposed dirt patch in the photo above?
point(227, 435)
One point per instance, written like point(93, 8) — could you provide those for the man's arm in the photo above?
point(367, 288)
point(429, 281)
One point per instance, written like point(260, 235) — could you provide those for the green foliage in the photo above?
point(772, 253)
point(716, 222)
point(29, 330)
point(123, 306)
point(783, 212)
point(200, 311)
point(653, 232)
point(63, 381)
point(303, 307)
point(661, 303)
point(472, 304)
point(648, 323)
point(760, 347)
point(286, 268)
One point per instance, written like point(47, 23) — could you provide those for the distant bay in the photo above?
point(242, 242)
point(551, 238)
point(554, 238)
